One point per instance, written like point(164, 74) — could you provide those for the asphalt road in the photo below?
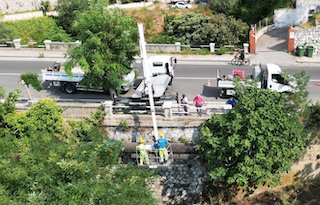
point(190, 78)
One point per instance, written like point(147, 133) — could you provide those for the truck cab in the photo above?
point(161, 69)
point(273, 80)
point(268, 76)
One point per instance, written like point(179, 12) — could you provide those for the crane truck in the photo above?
point(161, 68)
point(267, 77)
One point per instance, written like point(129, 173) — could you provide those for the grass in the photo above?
point(36, 30)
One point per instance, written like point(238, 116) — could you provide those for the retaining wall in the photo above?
point(181, 183)
point(309, 37)
point(13, 6)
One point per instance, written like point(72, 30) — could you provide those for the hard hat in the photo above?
point(161, 134)
point(141, 140)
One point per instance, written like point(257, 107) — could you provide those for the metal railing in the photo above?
point(154, 157)
point(268, 21)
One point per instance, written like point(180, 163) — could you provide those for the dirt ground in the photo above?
point(307, 193)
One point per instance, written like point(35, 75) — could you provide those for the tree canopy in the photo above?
point(47, 160)
point(108, 44)
point(68, 11)
point(197, 29)
point(256, 141)
point(250, 11)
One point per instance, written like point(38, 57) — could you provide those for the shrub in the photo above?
point(162, 39)
point(36, 29)
point(222, 50)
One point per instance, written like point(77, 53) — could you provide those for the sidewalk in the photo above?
point(40, 54)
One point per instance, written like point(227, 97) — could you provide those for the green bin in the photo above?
point(300, 51)
point(309, 51)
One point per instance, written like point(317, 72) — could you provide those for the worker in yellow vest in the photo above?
point(163, 151)
point(143, 152)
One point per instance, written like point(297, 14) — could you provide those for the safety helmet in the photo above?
point(141, 140)
point(161, 134)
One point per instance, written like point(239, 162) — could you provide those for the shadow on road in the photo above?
point(275, 40)
point(210, 91)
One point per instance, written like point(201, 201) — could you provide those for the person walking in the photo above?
point(184, 102)
point(143, 153)
point(163, 151)
point(198, 102)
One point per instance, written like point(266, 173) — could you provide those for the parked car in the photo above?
point(182, 5)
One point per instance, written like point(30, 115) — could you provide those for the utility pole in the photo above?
point(147, 75)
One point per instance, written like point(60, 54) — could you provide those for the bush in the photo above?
point(162, 39)
point(222, 50)
point(198, 29)
point(36, 29)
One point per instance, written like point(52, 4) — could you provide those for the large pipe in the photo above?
point(177, 148)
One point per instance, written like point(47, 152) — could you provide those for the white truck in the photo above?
point(267, 77)
point(55, 75)
point(161, 68)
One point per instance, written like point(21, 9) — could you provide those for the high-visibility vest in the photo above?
point(142, 148)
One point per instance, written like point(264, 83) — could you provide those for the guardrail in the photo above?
point(169, 109)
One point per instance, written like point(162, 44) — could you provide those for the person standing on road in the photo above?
point(232, 101)
point(198, 102)
point(184, 102)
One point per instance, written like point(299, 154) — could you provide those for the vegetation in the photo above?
point(4, 33)
point(197, 29)
point(250, 11)
point(44, 7)
point(256, 141)
point(32, 79)
point(36, 30)
point(45, 160)
point(68, 11)
point(109, 43)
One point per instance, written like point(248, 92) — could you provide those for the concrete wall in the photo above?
point(293, 17)
point(13, 6)
point(290, 17)
point(308, 37)
point(164, 47)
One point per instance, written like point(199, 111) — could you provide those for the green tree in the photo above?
point(49, 163)
point(68, 11)
point(108, 45)
point(197, 29)
point(32, 79)
point(44, 7)
point(223, 6)
point(255, 142)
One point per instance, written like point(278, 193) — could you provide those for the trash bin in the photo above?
point(300, 51)
point(309, 51)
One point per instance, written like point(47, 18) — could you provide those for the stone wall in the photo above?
point(13, 6)
point(177, 134)
point(308, 37)
point(180, 183)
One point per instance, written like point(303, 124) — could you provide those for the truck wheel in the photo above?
point(69, 88)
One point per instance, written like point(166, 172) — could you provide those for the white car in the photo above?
point(182, 5)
